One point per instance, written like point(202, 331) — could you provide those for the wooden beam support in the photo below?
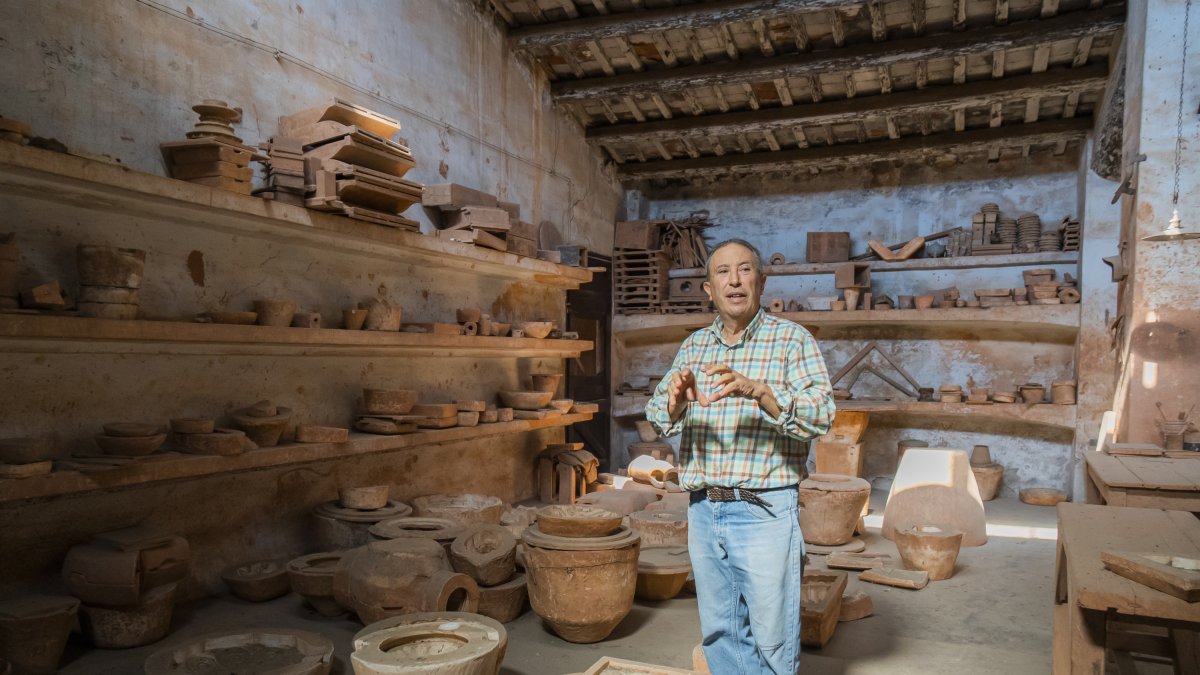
point(858, 57)
point(979, 93)
point(912, 147)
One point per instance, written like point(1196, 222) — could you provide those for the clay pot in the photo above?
point(547, 382)
point(381, 315)
point(366, 498)
point(506, 601)
point(465, 510)
point(831, 506)
point(987, 477)
point(401, 576)
point(562, 405)
point(577, 520)
point(581, 594)
point(501, 329)
point(264, 430)
point(441, 530)
point(131, 625)
point(192, 425)
point(931, 549)
point(486, 553)
point(472, 314)
point(1032, 393)
point(922, 301)
point(662, 572)
point(526, 400)
point(25, 450)
point(311, 577)
point(1062, 392)
point(280, 651)
point(110, 266)
point(851, 296)
point(336, 528)
point(389, 401)
point(275, 312)
point(1004, 397)
point(431, 643)
point(130, 447)
point(353, 319)
point(660, 528)
point(34, 631)
point(981, 454)
point(536, 329)
point(837, 306)
point(257, 581)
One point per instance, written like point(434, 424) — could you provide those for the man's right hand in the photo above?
point(681, 391)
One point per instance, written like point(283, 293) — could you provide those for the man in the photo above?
point(747, 393)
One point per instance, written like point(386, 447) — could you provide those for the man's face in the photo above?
point(734, 284)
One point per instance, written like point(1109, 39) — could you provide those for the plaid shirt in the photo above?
point(734, 442)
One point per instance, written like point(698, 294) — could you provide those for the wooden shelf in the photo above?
point(64, 334)
point(173, 466)
point(967, 262)
point(95, 185)
point(1048, 321)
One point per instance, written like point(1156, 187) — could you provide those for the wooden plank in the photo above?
point(926, 264)
point(858, 57)
point(1175, 576)
point(1158, 473)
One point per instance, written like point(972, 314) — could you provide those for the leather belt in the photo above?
point(725, 494)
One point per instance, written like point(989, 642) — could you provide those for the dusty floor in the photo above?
point(993, 616)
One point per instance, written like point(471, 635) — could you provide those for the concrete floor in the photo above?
point(993, 616)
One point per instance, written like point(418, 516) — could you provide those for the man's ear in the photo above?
point(708, 289)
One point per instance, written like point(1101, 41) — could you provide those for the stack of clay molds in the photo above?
point(346, 523)
point(109, 279)
point(1070, 231)
point(126, 580)
point(1029, 232)
point(441, 530)
point(488, 554)
point(475, 217)
point(10, 270)
point(213, 155)
point(263, 423)
point(352, 166)
point(387, 412)
point(311, 577)
point(201, 436)
point(130, 439)
point(285, 171)
point(25, 457)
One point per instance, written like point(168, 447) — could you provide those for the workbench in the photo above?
point(1146, 482)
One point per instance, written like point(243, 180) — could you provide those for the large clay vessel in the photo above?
point(463, 509)
point(929, 548)
point(581, 587)
point(831, 506)
point(431, 643)
point(34, 631)
point(401, 576)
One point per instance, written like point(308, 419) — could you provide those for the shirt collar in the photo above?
point(718, 326)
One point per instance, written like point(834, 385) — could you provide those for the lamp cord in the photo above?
point(1187, 14)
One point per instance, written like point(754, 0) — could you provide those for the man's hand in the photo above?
point(682, 390)
point(730, 382)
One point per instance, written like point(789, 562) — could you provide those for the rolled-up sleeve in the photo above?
point(656, 409)
point(806, 407)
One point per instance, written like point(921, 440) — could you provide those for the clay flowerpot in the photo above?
point(582, 590)
point(381, 315)
point(353, 319)
point(471, 314)
point(280, 651)
point(1032, 393)
point(466, 509)
point(545, 382)
point(364, 498)
point(389, 401)
point(131, 625)
point(457, 643)
point(830, 507)
point(660, 528)
point(525, 400)
point(401, 576)
point(34, 631)
point(504, 602)
point(110, 266)
point(311, 577)
point(662, 571)
point(931, 549)
point(563, 520)
point(264, 430)
point(922, 301)
point(486, 553)
point(257, 581)
point(275, 312)
point(25, 450)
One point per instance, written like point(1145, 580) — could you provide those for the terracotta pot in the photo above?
point(987, 477)
point(280, 651)
point(466, 509)
point(504, 602)
point(110, 266)
point(1032, 393)
point(381, 315)
point(660, 528)
point(433, 643)
point(401, 576)
point(131, 625)
point(577, 520)
point(353, 319)
point(851, 297)
point(923, 301)
point(545, 382)
point(367, 498)
point(581, 594)
point(34, 631)
point(465, 314)
point(536, 329)
point(662, 571)
point(275, 312)
point(311, 577)
point(486, 553)
point(931, 549)
point(1062, 392)
point(831, 506)
point(257, 581)
point(981, 454)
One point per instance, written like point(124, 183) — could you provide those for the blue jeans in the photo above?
point(747, 561)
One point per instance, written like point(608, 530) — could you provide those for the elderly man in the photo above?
point(747, 393)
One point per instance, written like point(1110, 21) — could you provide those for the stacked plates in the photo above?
point(1006, 230)
point(1049, 242)
point(990, 208)
point(1029, 232)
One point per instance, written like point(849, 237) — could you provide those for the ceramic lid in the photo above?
point(664, 560)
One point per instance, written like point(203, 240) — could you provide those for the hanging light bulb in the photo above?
point(1174, 232)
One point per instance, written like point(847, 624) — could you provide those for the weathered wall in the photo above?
point(117, 78)
point(893, 204)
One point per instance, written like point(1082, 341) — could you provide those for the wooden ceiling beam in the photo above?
point(847, 154)
point(858, 57)
point(978, 93)
point(698, 15)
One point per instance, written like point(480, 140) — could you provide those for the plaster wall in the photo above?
point(893, 204)
point(117, 78)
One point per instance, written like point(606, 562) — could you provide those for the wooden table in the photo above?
point(1088, 597)
point(1146, 482)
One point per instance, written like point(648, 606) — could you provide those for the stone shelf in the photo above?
point(172, 466)
point(1046, 322)
point(923, 264)
point(34, 333)
point(95, 185)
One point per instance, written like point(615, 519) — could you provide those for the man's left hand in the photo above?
point(730, 382)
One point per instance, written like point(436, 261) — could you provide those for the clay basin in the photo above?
point(468, 509)
point(311, 577)
point(1042, 496)
point(526, 400)
point(660, 527)
point(192, 425)
point(130, 429)
point(389, 401)
point(257, 581)
point(460, 643)
point(501, 329)
point(130, 447)
point(929, 548)
point(577, 521)
point(536, 329)
point(364, 498)
point(562, 405)
point(25, 450)
point(662, 571)
point(34, 631)
point(234, 318)
point(131, 626)
point(275, 650)
point(830, 506)
point(545, 382)
point(264, 430)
